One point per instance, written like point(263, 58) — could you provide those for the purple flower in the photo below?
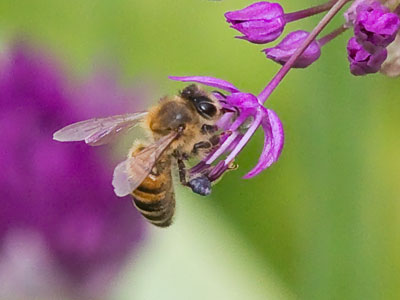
point(260, 23)
point(375, 27)
point(350, 15)
point(285, 49)
point(363, 62)
point(57, 204)
point(245, 114)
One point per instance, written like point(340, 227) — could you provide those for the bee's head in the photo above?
point(201, 101)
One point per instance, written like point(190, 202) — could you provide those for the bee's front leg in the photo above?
point(208, 129)
point(201, 145)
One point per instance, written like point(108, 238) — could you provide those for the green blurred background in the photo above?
point(322, 223)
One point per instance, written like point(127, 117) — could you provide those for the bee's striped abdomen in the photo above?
point(155, 200)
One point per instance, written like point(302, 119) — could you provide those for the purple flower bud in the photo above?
point(375, 27)
point(260, 23)
point(350, 15)
point(363, 62)
point(285, 49)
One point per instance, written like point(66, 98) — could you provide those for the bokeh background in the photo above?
point(322, 223)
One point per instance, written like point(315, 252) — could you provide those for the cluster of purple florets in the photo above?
point(375, 27)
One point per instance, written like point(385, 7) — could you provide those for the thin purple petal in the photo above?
point(221, 150)
point(225, 120)
point(218, 170)
point(246, 137)
point(206, 80)
point(278, 135)
point(273, 143)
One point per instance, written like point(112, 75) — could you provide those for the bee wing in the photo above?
point(99, 131)
point(129, 174)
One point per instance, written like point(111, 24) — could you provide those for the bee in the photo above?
point(179, 128)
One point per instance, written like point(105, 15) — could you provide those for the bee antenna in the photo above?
point(219, 93)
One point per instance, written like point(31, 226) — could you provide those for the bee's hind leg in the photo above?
point(200, 185)
point(182, 172)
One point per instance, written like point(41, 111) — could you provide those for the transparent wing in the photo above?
point(99, 131)
point(129, 174)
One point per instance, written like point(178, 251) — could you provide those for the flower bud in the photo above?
point(363, 62)
point(375, 26)
point(285, 49)
point(260, 23)
point(350, 15)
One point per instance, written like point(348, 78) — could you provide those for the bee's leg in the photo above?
point(201, 145)
point(200, 185)
point(208, 129)
point(182, 172)
point(214, 140)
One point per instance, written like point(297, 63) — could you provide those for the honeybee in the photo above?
point(179, 127)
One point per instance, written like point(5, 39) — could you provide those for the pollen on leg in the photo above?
point(200, 185)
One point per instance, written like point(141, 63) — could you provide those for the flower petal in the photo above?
point(273, 143)
point(243, 101)
point(261, 31)
point(282, 52)
point(256, 11)
point(245, 139)
point(375, 26)
point(363, 62)
point(278, 135)
point(206, 80)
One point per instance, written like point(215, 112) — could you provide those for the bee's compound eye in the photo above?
point(207, 109)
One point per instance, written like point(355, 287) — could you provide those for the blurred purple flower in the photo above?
point(245, 114)
point(54, 197)
point(375, 26)
point(104, 88)
point(261, 22)
point(363, 62)
point(285, 49)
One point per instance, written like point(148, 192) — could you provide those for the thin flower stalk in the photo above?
point(332, 35)
point(263, 96)
point(308, 12)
